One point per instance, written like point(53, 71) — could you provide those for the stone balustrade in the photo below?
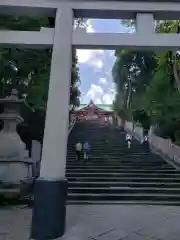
point(71, 125)
point(161, 145)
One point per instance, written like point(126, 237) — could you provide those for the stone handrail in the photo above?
point(161, 145)
point(166, 147)
point(71, 125)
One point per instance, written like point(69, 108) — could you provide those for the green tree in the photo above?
point(132, 72)
point(28, 71)
point(162, 100)
point(157, 96)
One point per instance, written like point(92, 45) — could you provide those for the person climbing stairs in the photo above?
point(116, 174)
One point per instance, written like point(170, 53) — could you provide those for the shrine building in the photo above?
point(94, 111)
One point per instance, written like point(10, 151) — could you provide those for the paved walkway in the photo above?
point(123, 222)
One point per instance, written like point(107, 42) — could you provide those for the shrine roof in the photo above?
point(104, 107)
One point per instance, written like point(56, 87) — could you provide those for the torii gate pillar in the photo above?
point(48, 221)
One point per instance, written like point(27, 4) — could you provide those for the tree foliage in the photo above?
point(28, 70)
point(155, 84)
point(132, 73)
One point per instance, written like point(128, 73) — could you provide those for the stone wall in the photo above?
point(160, 145)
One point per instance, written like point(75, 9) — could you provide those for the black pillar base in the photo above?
point(49, 209)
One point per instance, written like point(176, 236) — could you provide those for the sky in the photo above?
point(96, 65)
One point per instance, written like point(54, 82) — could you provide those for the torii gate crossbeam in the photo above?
point(51, 188)
point(83, 40)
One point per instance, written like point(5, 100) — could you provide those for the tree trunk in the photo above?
point(175, 72)
point(129, 94)
point(175, 67)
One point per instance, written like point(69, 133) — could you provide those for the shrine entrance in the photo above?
point(49, 209)
point(93, 111)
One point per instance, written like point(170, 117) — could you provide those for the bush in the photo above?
point(141, 116)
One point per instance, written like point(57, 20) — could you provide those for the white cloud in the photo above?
point(107, 99)
point(111, 53)
point(103, 81)
point(94, 62)
point(97, 101)
point(113, 86)
point(91, 57)
point(89, 28)
point(96, 59)
point(98, 96)
point(83, 55)
point(99, 64)
point(94, 90)
point(95, 93)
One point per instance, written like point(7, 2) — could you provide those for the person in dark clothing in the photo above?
point(86, 148)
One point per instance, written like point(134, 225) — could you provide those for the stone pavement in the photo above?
point(117, 222)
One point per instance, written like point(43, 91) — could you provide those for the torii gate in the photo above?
point(51, 188)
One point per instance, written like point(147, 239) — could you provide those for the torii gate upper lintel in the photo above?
point(51, 187)
point(144, 12)
point(127, 9)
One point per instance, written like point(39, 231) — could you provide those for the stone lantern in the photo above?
point(16, 168)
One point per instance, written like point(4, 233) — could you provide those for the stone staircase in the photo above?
point(115, 174)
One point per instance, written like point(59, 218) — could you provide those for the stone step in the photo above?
point(120, 147)
point(116, 154)
point(124, 196)
point(119, 174)
point(96, 129)
point(119, 167)
point(122, 153)
point(117, 163)
point(115, 159)
point(104, 146)
point(122, 190)
point(118, 158)
point(111, 144)
point(122, 202)
point(102, 134)
point(131, 166)
point(122, 170)
point(124, 179)
point(124, 184)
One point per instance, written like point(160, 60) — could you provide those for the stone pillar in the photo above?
point(48, 220)
point(36, 156)
point(145, 23)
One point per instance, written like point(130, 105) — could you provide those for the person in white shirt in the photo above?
point(145, 139)
point(129, 140)
point(145, 142)
point(78, 150)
